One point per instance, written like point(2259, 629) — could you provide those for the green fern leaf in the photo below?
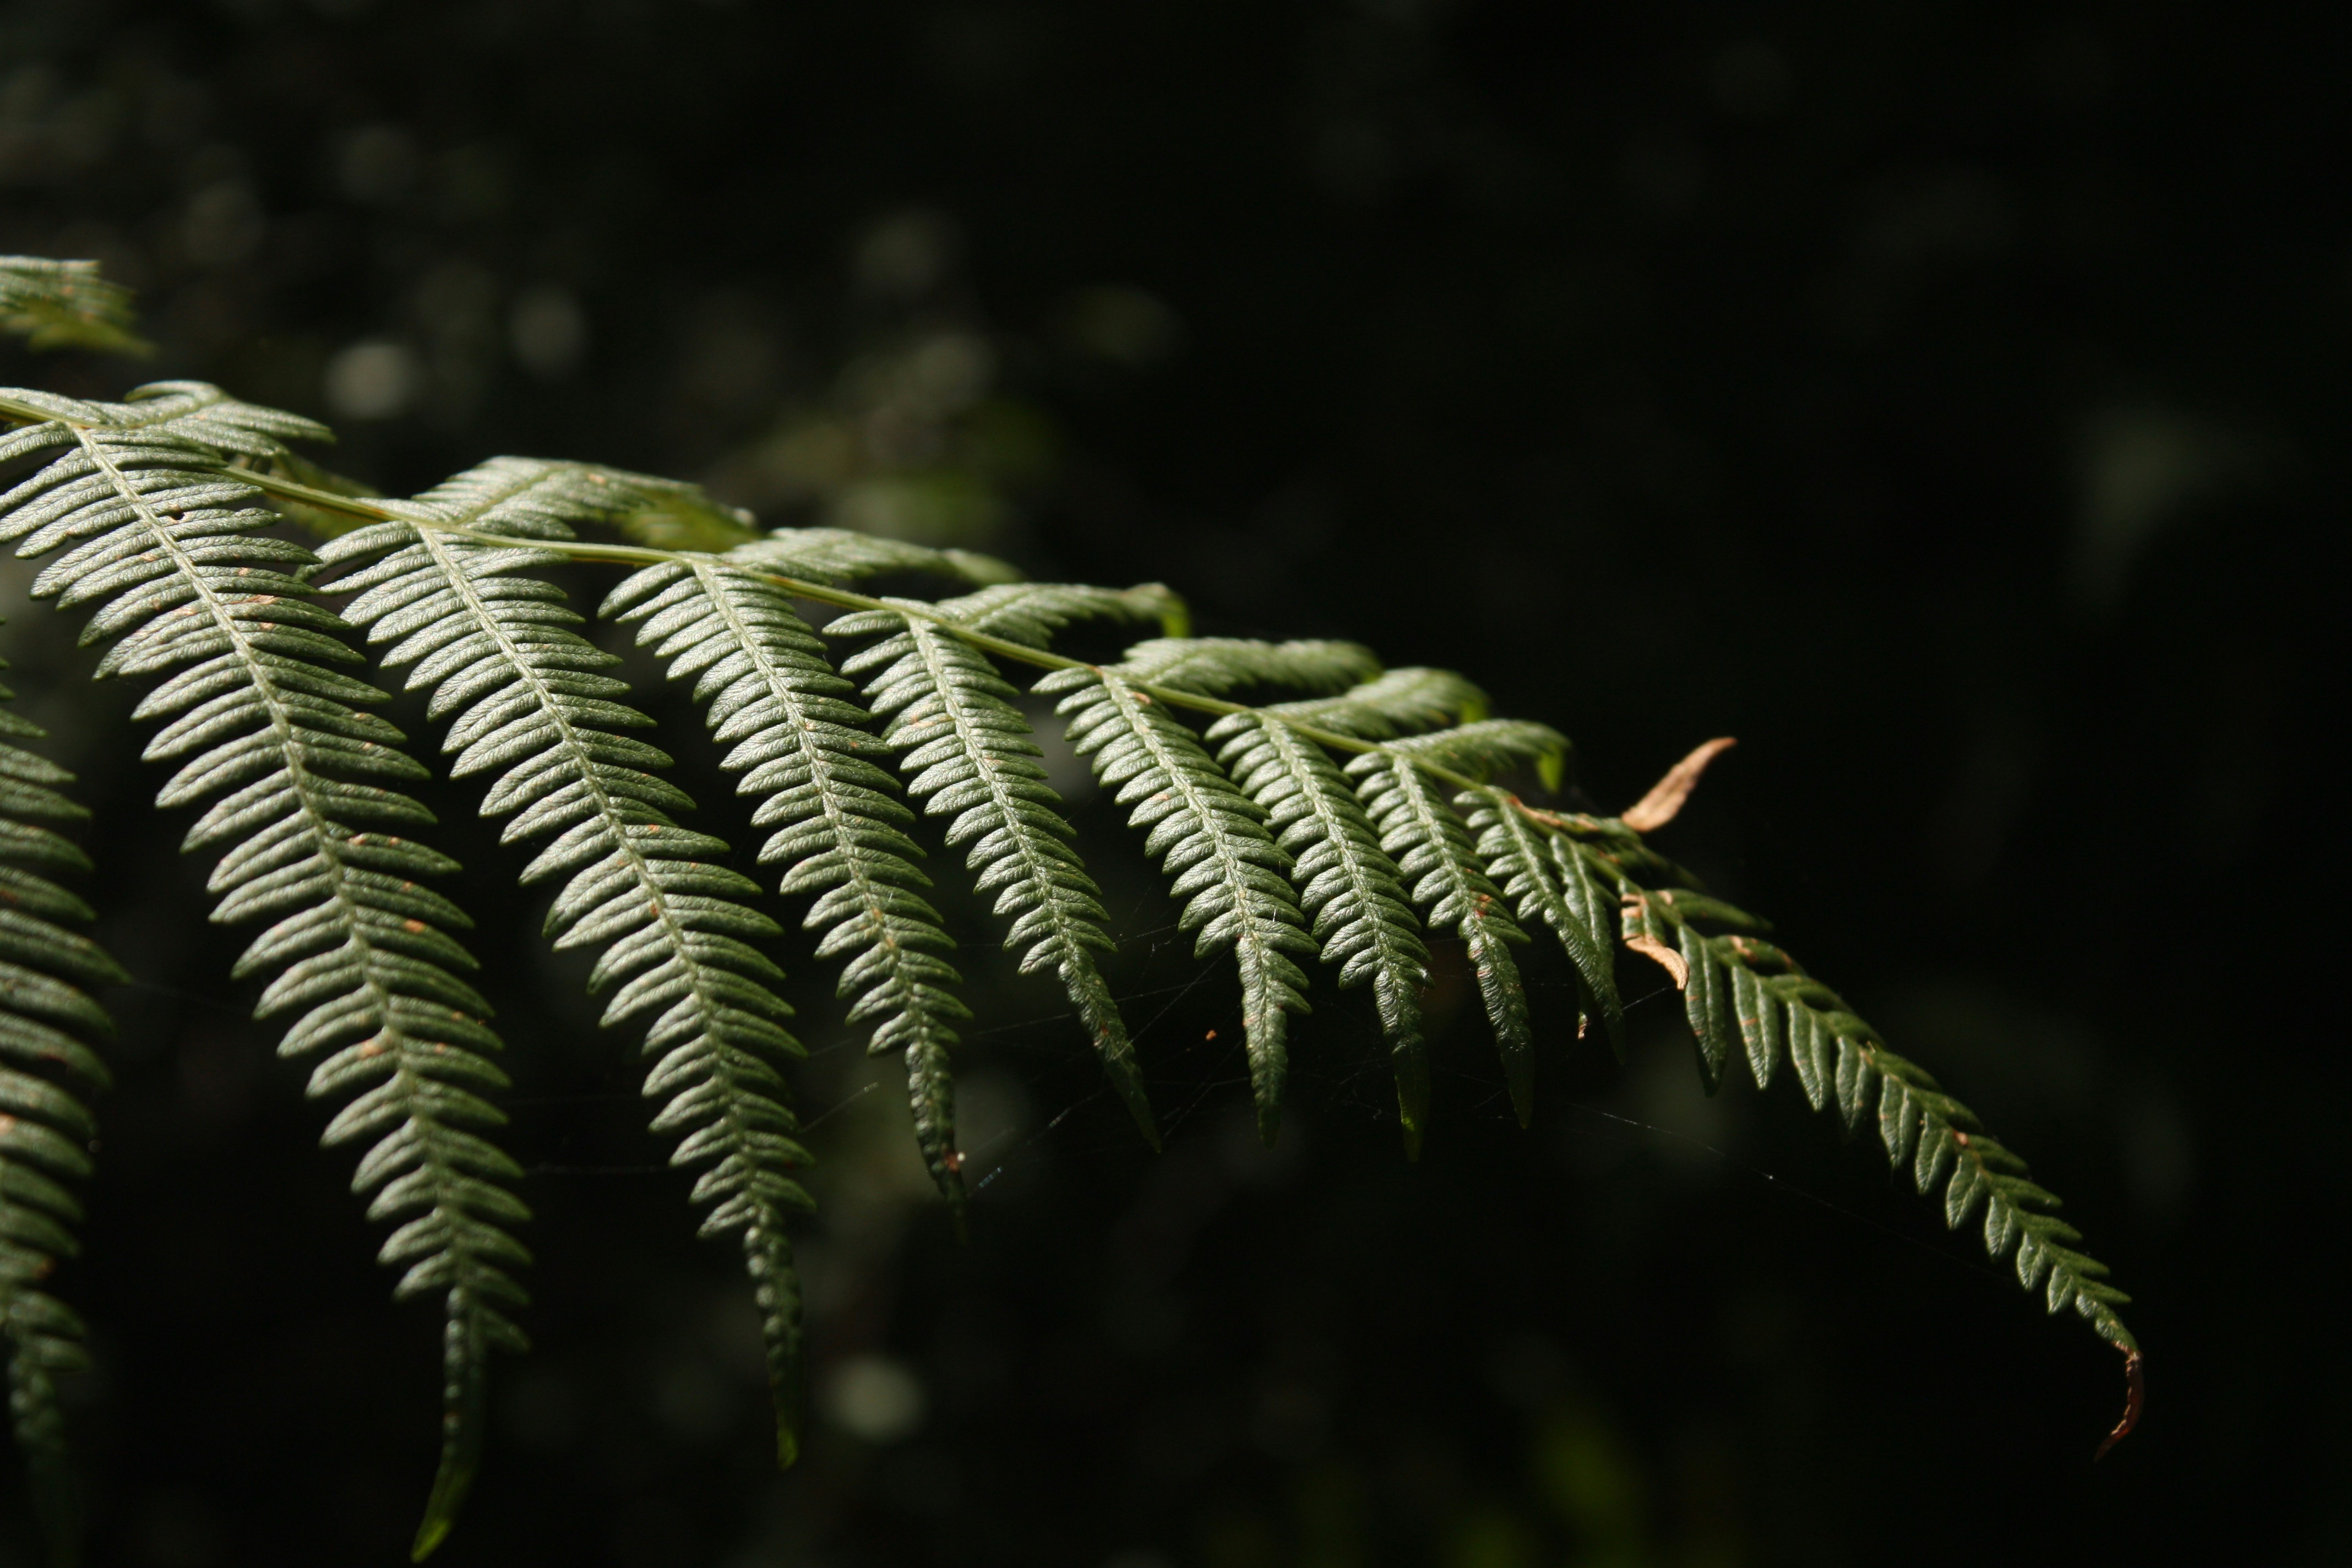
point(1211, 837)
point(1030, 614)
point(48, 1075)
point(528, 706)
point(968, 755)
point(1431, 843)
point(1592, 905)
point(297, 778)
point(772, 697)
point(66, 304)
point(1760, 998)
point(1213, 665)
point(1490, 745)
point(1350, 889)
point(837, 556)
point(1519, 856)
point(1396, 702)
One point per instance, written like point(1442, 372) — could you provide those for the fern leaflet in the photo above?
point(527, 704)
point(968, 754)
point(1211, 837)
point(1431, 843)
point(298, 777)
point(66, 304)
point(1350, 887)
point(836, 824)
point(837, 556)
point(1520, 857)
point(48, 1074)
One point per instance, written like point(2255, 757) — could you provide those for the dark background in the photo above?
point(1947, 401)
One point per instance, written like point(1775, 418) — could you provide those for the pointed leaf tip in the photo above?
point(431, 1533)
point(449, 1489)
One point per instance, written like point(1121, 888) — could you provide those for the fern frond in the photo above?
point(836, 823)
point(49, 1073)
point(66, 304)
point(1431, 843)
point(269, 731)
point(527, 705)
point(968, 754)
point(839, 556)
point(1212, 837)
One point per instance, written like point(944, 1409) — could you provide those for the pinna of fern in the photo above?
point(1340, 825)
point(297, 782)
point(66, 304)
point(49, 1071)
point(677, 945)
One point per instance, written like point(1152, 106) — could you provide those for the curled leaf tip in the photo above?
point(2134, 1399)
point(1665, 798)
point(1665, 957)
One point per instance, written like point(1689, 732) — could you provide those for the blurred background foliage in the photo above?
point(1948, 401)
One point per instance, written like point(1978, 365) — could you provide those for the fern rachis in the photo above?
point(1330, 826)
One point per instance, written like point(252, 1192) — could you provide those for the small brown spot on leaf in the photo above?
point(413, 927)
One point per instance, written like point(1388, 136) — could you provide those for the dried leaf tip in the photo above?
point(1665, 798)
point(2134, 1399)
point(1665, 957)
